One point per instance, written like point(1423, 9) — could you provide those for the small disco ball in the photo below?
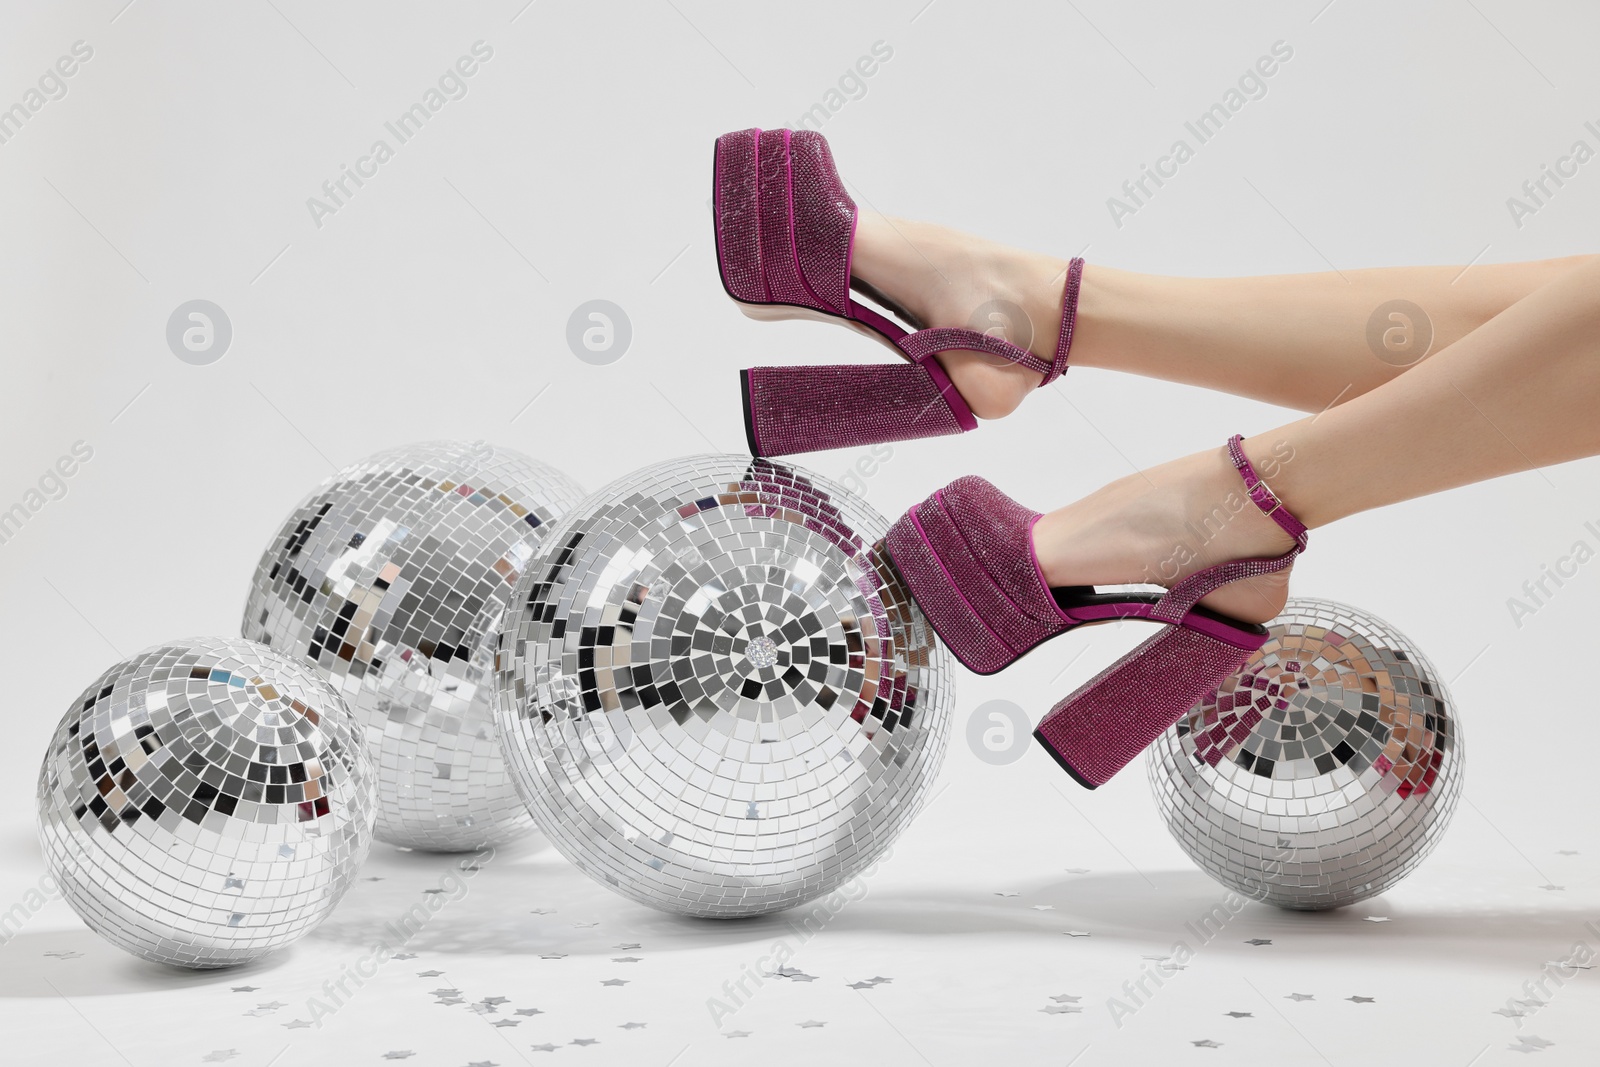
point(205, 802)
point(1323, 771)
point(715, 693)
point(391, 577)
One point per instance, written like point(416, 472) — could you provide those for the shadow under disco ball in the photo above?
point(392, 577)
point(715, 693)
point(205, 802)
point(1323, 771)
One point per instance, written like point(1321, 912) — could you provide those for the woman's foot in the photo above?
point(1159, 526)
point(938, 277)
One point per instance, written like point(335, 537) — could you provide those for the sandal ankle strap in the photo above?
point(1181, 598)
point(1069, 319)
point(924, 344)
point(1261, 495)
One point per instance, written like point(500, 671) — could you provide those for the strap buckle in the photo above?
point(1260, 493)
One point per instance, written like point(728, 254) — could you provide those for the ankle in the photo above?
point(1162, 525)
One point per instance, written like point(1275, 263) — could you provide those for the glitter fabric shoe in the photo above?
point(785, 228)
point(966, 554)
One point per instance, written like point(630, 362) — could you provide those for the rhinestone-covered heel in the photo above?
point(808, 409)
point(1113, 717)
point(967, 558)
point(785, 231)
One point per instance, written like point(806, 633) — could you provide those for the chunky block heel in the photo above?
point(785, 233)
point(808, 409)
point(1106, 722)
point(967, 557)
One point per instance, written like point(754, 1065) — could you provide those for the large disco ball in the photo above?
point(391, 577)
point(1323, 771)
point(716, 695)
point(205, 802)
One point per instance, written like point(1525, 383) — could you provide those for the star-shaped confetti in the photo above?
point(1566, 852)
point(542, 911)
point(1300, 996)
point(1007, 893)
point(444, 992)
point(585, 1041)
point(244, 988)
point(1259, 941)
point(633, 1026)
point(508, 1022)
point(1510, 1013)
point(794, 974)
point(810, 1024)
point(1076, 933)
point(1043, 907)
point(483, 1063)
point(737, 1033)
point(1207, 1043)
point(404, 956)
point(266, 1009)
point(495, 1000)
point(1061, 1009)
point(552, 955)
point(221, 1055)
point(296, 1024)
point(1065, 998)
point(615, 981)
point(626, 959)
point(546, 1047)
point(530, 1011)
point(483, 1009)
point(585, 926)
point(1534, 1041)
point(1554, 888)
point(626, 947)
point(1077, 870)
point(399, 1054)
point(1362, 1000)
point(429, 974)
point(1239, 1014)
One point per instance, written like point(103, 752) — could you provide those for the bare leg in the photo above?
point(1298, 340)
point(1521, 391)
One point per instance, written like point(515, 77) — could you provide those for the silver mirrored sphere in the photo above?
point(1323, 771)
point(716, 695)
point(205, 802)
point(391, 577)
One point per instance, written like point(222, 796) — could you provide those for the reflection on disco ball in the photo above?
point(1323, 771)
point(716, 695)
point(391, 577)
point(205, 802)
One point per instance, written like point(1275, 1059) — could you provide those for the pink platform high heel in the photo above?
point(785, 229)
point(966, 554)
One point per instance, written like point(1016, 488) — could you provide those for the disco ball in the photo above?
point(391, 577)
point(205, 802)
point(1323, 771)
point(716, 695)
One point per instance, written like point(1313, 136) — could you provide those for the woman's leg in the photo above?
point(1521, 391)
point(1299, 340)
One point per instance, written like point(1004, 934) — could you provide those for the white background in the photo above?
point(434, 304)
